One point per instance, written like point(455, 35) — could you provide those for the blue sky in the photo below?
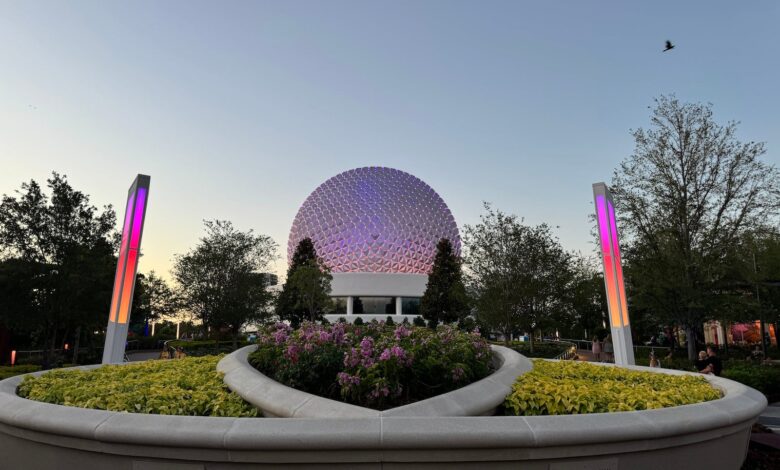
point(238, 110)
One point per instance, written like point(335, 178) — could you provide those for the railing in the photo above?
point(570, 351)
point(588, 346)
point(36, 355)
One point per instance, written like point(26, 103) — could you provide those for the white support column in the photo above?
point(398, 306)
point(126, 270)
point(350, 309)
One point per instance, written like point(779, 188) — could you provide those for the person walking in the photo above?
point(595, 348)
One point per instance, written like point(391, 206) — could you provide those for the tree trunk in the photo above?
point(506, 338)
point(235, 340)
point(690, 336)
point(725, 337)
point(531, 340)
point(76, 345)
point(48, 350)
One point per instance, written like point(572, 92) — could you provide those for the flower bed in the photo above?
point(564, 387)
point(190, 387)
point(374, 365)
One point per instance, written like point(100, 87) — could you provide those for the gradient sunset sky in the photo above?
point(238, 110)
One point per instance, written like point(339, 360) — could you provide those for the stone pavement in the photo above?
point(137, 356)
point(771, 417)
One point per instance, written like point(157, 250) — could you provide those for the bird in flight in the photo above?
point(669, 46)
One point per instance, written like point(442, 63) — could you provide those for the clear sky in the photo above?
point(238, 110)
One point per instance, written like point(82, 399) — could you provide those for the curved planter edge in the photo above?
point(275, 399)
point(41, 436)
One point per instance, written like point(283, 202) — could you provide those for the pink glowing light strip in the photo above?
point(128, 257)
point(606, 253)
point(132, 256)
point(621, 287)
point(120, 266)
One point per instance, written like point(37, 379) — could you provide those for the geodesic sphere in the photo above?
point(376, 220)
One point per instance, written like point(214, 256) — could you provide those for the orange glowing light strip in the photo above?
point(618, 264)
point(120, 266)
point(132, 256)
point(610, 280)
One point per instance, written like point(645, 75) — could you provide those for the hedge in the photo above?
point(7, 372)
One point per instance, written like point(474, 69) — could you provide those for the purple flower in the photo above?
point(457, 374)
point(367, 346)
point(386, 355)
point(292, 352)
point(402, 332)
point(351, 358)
point(325, 336)
point(280, 336)
point(347, 380)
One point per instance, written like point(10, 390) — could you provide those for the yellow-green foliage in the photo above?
point(190, 386)
point(565, 387)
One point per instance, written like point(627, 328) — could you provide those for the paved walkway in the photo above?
point(771, 417)
point(137, 356)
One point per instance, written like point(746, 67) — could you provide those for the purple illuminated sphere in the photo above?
point(376, 220)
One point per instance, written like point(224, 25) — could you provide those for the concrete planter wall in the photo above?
point(277, 400)
point(712, 435)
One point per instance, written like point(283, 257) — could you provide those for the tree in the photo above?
point(686, 195)
point(519, 274)
point(444, 300)
point(153, 300)
point(220, 279)
point(289, 304)
point(310, 282)
point(60, 250)
point(588, 300)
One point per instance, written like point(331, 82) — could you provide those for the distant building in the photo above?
point(377, 229)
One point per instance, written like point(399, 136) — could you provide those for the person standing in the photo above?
point(608, 349)
point(595, 348)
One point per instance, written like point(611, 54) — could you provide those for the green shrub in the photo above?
point(418, 321)
point(205, 347)
point(190, 386)
point(7, 372)
point(545, 350)
point(763, 377)
point(566, 387)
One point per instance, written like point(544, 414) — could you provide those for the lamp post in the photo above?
point(613, 275)
point(126, 270)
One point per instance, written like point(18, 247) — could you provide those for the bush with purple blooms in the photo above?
point(374, 365)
